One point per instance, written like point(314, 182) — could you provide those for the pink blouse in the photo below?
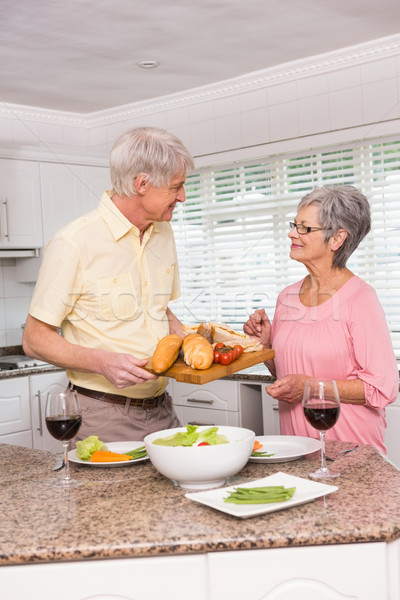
point(346, 337)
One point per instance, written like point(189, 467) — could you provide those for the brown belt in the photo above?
point(117, 399)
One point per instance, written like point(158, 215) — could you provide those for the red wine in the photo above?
point(321, 417)
point(63, 427)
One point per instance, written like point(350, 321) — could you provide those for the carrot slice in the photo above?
point(257, 446)
point(106, 456)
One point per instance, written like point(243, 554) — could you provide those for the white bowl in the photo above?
point(201, 467)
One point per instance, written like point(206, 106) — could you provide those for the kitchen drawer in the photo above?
point(15, 414)
point(207, 416)
point(217, 395)
point(21, 438)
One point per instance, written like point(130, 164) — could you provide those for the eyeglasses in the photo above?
point(303, 229)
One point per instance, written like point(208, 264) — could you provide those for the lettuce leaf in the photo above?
point(212, 437)
point(191, 436)
point(86, 447)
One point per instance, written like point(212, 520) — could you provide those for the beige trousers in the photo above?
point(119, 423)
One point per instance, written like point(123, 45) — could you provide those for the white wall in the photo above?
point(344, 96)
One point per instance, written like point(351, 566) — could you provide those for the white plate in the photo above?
point(306, 491)
point(285, 448)
point(120, 447)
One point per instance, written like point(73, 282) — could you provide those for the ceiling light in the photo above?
point(148, 64)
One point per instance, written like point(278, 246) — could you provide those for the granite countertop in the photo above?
point(133, 511)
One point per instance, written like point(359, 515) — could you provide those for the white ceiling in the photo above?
point(82, 55)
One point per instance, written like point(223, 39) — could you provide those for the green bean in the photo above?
point(257, 454)
point(260, 495)
point(137, 453)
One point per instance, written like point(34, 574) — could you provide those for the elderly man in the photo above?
point(106, 280)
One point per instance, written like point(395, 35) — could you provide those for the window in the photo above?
point(231, 233)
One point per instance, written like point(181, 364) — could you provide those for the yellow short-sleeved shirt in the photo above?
point(109, 291)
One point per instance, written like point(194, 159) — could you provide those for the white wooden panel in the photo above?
point(392, 434)
point(337, 572)
point(40, 386)
point(21, 217)
point(14, 405)
point(217, 395)
point(207, 416)
point(21, 438)
point(154, 578)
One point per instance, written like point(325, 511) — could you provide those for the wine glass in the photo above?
point(321, 406)
point(63, 420)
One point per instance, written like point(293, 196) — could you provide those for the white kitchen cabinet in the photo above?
point(40, 385)
point(20, 205)
point(15, 416)
point(392, 437)
point(221, 402)
point(148, 578)
point(69, 191)
point(270, 407)
point(330, 572)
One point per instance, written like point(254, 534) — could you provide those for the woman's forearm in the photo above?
point(351, 391)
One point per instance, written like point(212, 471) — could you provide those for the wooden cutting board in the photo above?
point(182, 372)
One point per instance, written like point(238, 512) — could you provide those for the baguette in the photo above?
point(166, 352)
point(197, 351)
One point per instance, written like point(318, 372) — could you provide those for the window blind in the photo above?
point(231, 233)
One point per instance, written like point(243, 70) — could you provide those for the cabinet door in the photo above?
point(207, 416)
point(15, 416)
point(40, 386)
point(392, 439)
point(330, 572)
point(69, 191)
point(270, 411)
point(148, 578)
point(20, 204)
point(21, 438)
point(216, 395)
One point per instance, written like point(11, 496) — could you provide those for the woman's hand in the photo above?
point(258, 325)
point(289, 389)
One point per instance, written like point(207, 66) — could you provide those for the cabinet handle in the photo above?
point(40, 428)
point(199, 423)
point(200, 401)
point(275, 408)
point(4, 218)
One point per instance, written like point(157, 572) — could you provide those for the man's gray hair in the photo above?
point(341, 207)
point(150, 150)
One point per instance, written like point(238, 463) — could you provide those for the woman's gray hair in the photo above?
point(341, 207)
point(155, 152)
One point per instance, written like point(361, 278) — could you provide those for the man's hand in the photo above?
point(124, 370)
point(289, 389)
point(259, 326)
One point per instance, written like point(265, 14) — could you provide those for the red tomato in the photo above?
point(218, 346)
point(216, 356)
point(239, 349)
point(203, 444)
point(225, 358)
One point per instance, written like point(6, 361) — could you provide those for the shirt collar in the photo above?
point(118, 224)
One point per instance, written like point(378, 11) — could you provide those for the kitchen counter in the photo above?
point(133, 511)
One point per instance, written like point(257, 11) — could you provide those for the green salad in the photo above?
point(86, 447)
point(191, 437)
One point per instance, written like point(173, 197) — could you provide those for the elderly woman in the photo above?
point(330, 324)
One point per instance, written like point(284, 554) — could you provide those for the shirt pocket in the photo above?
point(117, 298)
point(165, 279)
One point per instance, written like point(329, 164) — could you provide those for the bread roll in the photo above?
point(166, 352)
point(198, 352)
point(220, 332)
